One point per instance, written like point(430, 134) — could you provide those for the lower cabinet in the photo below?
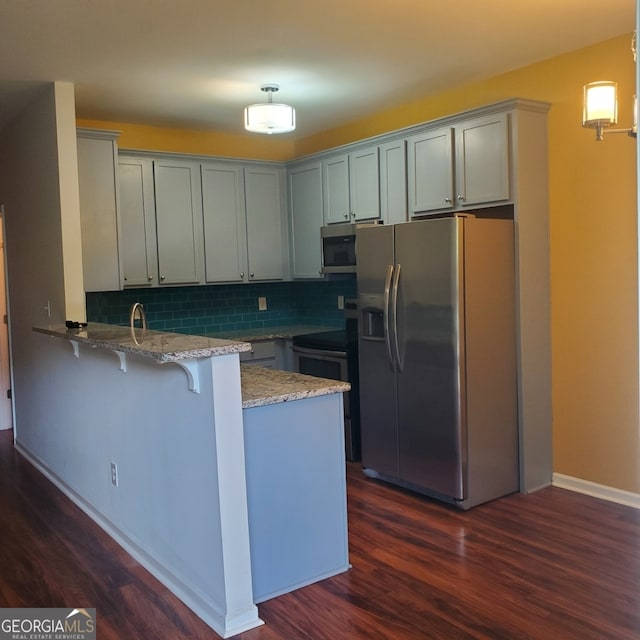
point(271, 354)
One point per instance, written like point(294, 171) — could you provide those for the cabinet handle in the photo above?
point(460, 198)
point(161, 277)
point(150, 278)
point(353, 215)
point(345, 215)
point(251, 275)
point(125, 278)
point(447, 200)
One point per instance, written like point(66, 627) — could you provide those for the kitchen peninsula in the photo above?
point(195, 464)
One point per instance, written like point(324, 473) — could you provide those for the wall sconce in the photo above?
point(600, 104)
point(600, 109)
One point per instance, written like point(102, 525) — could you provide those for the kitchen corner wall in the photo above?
point(223, 308)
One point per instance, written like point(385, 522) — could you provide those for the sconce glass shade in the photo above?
point(600, 105)
point(269, 118)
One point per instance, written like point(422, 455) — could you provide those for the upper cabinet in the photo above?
point(97, 158)
point(224, 222)
point(459, 166)
point(161, 213)
point(138, 246)
point(264, 202)
point(352, 186)
point(179, 221)
point(393, 182)
point(306, 217)
point(244, 231)
point(482, 160)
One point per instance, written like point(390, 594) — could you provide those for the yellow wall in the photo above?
point(594, 260)
point(208, 143)
point(593, 226)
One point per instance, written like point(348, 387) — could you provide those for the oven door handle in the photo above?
point(337, 355)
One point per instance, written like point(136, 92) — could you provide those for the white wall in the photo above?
point(39, 190)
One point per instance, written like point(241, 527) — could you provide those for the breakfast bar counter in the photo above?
point(197, 481)
point(155, 345)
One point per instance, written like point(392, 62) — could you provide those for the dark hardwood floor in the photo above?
point(551, 565)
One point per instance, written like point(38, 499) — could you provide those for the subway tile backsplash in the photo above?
point(216, 308)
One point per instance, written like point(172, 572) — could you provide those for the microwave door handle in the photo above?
point(394, 307)
point(385, 314)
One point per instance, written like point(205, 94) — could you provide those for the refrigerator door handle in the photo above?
point(394, 306)
point(385, 314)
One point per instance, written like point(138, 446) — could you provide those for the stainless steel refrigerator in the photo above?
point(437, 351)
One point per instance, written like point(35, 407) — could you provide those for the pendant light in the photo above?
point(269, 117)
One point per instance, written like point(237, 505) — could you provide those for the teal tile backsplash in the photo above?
point(209, 309)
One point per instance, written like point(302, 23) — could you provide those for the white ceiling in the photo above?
point(197, 63)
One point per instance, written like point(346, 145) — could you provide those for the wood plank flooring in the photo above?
point(551, 565)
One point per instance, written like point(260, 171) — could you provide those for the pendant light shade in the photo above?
point(269, 117)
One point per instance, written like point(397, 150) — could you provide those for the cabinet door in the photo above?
point(224, 222)
point(364, 184)
point(430, 171)
point(178, 222)
point(305, 203)
point(482, 167)
point(137, 215)
point(335, 172)
point(97, 158)
point(393, 182)
point(264, 209)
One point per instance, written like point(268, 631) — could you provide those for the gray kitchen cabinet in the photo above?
point(179, 221)
point(244, 239)
point(224, 222)
point(306, 219)
point(265, 353)
point(459, 166)
point(352, 186)
point(263, 192)
point(138, 245)
point(97, 161)
point(161, 213)
point(393, 182)
point(335, 172)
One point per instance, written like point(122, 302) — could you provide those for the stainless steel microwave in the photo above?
point(339, 246)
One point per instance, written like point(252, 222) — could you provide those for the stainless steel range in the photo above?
point(334, 355)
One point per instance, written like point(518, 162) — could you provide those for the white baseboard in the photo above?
point(611, 494)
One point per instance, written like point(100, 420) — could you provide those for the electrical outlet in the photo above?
point(262, 303)
point(340, 302)
point(114, 474)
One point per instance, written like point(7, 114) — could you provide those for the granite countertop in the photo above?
point(272, 333)
point(262, 386)
point(156, 345)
